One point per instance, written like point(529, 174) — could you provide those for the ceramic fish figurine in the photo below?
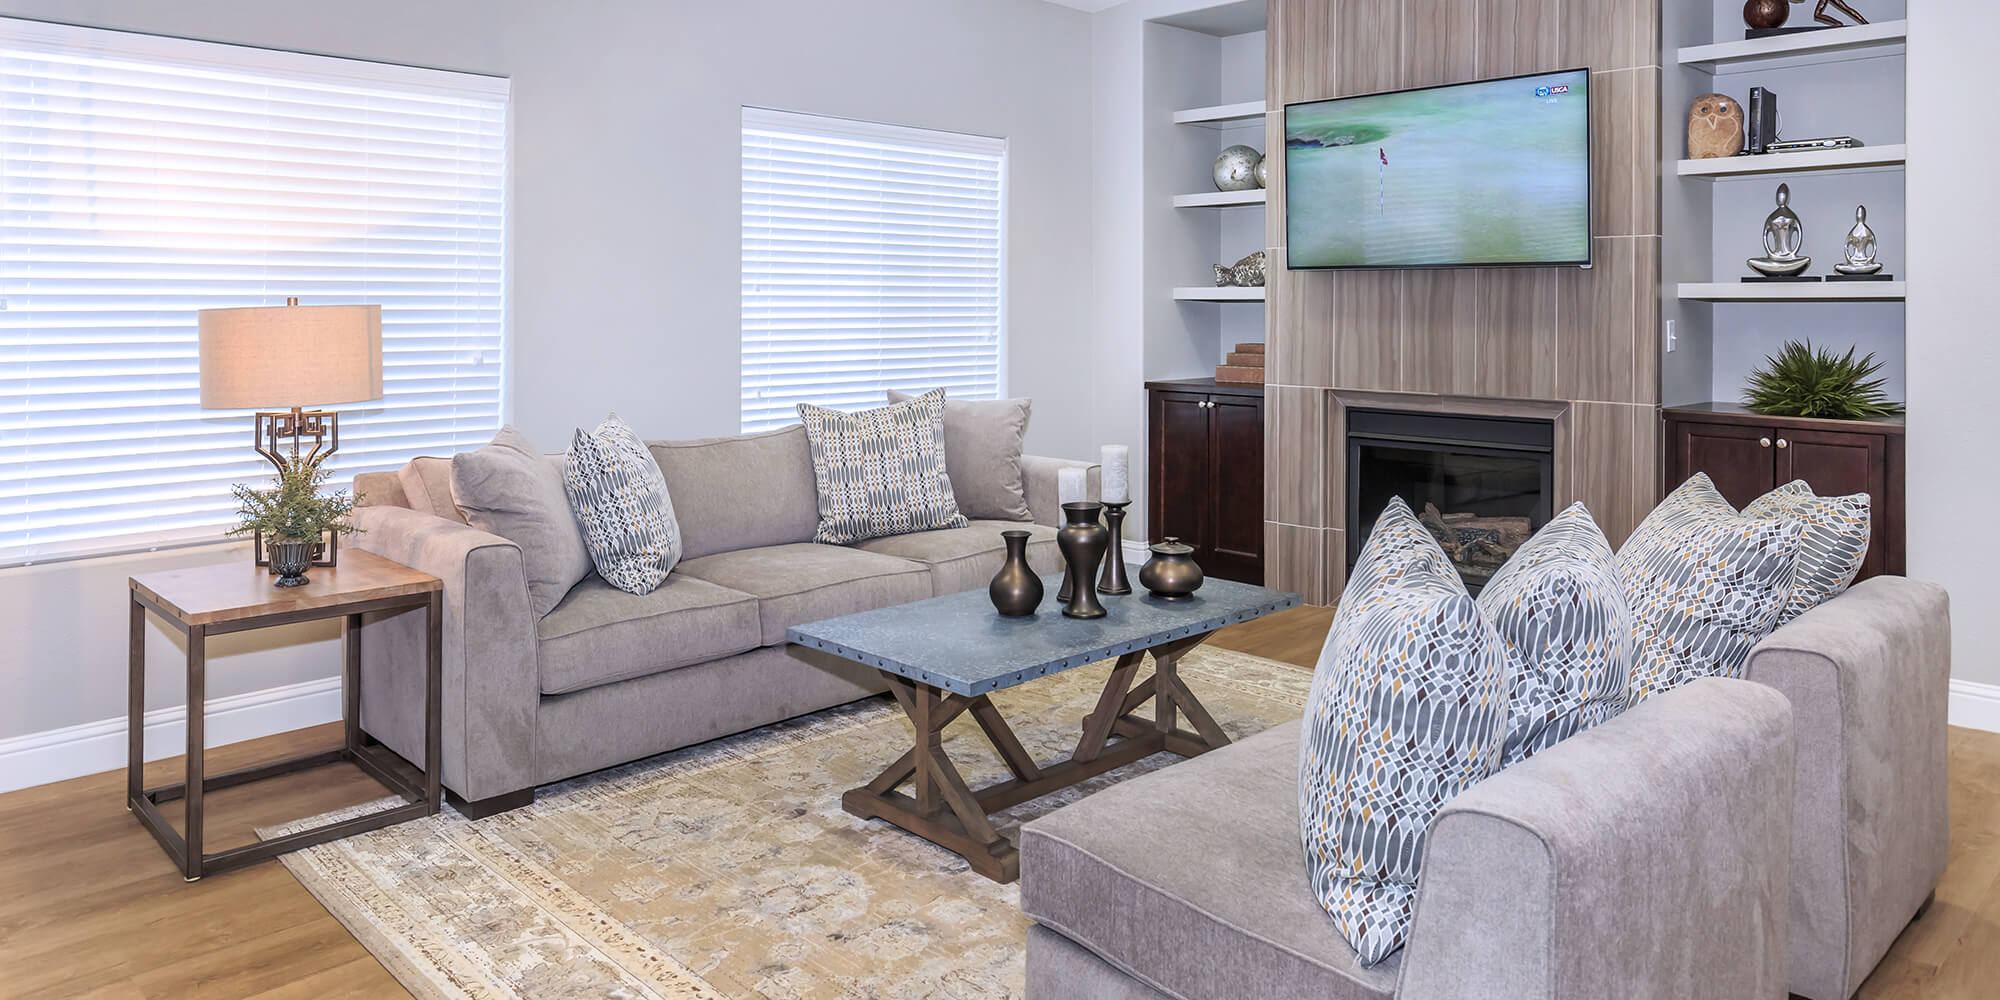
point(1245, 273)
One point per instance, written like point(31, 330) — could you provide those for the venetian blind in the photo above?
point(145, 178)
point(872, 260)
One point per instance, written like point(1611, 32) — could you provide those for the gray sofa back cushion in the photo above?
point(426, 482)
point(982, 455)
point(510, 489)
point(741, 492)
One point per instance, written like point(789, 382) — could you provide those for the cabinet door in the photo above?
point(1738, 457)
point(1236, 522)
point(1178, 434)
point(1835, 463)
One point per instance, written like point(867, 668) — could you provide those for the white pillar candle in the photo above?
point(1070, 484)
point(1117, 462)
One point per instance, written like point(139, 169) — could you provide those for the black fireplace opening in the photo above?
point(1482, 485)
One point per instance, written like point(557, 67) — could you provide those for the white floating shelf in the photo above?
point(1204, 293)
point(1222, 115)
point(1883, 39)
point(1219, 199)
point(1794, 291)
point(1785, 163)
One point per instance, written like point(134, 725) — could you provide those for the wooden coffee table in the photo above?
point(943, 657)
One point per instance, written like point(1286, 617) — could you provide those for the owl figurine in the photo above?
point(1715, 127)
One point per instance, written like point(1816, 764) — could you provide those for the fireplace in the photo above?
point(1481, 484)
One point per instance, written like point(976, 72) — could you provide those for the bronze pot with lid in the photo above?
point(1170, 573)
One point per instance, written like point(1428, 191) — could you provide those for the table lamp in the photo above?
point(304, 357)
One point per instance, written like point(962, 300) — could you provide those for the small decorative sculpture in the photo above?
point(1715, 127)
point(1820, 14)
point(1245, 273)
point(1784, 235)
point(1765, 14)
point(1860, 250)
point(1236, 169)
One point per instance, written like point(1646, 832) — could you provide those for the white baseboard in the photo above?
point(93, 747)
point(1137, 552)
point(1975, 705)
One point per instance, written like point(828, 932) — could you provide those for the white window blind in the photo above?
point(873, 259)
point(145, 178)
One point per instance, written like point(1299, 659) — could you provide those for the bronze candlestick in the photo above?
point(1114, 581)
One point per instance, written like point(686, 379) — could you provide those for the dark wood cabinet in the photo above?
point(1205, 473)
point(1748, 454)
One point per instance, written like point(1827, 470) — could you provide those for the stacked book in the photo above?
point(1244, 364)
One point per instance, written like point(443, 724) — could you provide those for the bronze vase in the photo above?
point(1016, 590)
point(1083, 541)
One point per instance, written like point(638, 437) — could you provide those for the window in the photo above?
point(872, 260)
point(145, 178)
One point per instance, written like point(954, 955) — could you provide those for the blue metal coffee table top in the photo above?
point(958, 643)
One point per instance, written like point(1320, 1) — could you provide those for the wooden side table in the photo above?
point(238, 596)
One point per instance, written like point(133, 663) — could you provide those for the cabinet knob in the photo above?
point(1782, 443)
point(1763, 442)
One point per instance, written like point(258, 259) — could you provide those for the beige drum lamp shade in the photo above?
point(290, 356)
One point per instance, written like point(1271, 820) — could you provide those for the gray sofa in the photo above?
point(1683, 849)
point(608, 677)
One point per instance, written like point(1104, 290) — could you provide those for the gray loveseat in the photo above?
point(608, 677)
point(1683, 849)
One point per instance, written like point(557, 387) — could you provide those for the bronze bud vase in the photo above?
point(1016, 590)
point(1083, 541)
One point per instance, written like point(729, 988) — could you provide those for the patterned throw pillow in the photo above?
point(1834, 544)
point(1560, 607)
point(619, 497)
point(881, 472)
point(1408, 708)
point(1706, 584)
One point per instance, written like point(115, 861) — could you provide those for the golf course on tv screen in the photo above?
point(1491, 173)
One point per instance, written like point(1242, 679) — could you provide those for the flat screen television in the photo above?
point(1487, 174)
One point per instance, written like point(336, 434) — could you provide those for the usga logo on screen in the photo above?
point(1560, 88)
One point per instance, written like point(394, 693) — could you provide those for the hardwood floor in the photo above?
point(91, 907)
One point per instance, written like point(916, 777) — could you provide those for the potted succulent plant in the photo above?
point(1804, 381)
point(293, 517)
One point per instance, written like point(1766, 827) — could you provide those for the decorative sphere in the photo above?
point(1263, 172)
point(1236, 169)
point(1766, 13)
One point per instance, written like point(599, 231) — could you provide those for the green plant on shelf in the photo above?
point(1803, 381)
point(294, 509)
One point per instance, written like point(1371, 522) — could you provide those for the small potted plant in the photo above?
point(293, 517)
point(1803, 381)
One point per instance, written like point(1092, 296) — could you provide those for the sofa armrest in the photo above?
point(1643, 858)
point(1038, 481)
point(492, 685)
point(1869, 678)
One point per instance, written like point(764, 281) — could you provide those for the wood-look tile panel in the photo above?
point(1274, 189)
point(1294, 455)
point(1367, 320)
point(1520, 36)
point(1298, 324)
point(1646, 163)
point(1333, 579)
point(1368, 37)
point(1610, 34)
point(1615, 463)
point(1596, 311)
point(1294, 559)
point(1516, 345)
point(1614, 140)
point(1646, 332)
point(1300, 56)
point(1440, 331)
point(1444, 43)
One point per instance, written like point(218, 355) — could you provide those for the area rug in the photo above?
point(729, 870)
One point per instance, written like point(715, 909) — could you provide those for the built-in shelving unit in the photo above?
point(1220, 199)
point(1782, 163)
point(1793, 291)
point(1222, 116)
point(1203, 293)
point(1885, 38)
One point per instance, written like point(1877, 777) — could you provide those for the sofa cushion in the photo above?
point(1832, 545)
point(1705, 584)
point(426, 483)
point(882, 471)
point(1188, 879)
point(1408, 708)
point(1560, 608)
point(510, 489)
point(620, 499)
point(966, 558)
point(600, 634)
point(983, 440)
point(805, 581)
point(740, 492)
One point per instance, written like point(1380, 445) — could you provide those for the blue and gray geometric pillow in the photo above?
point(1832, 547)
point(1408, 708)
point(620, 500)
point(1560, 608)
point(1706, 584)
point(880, 472)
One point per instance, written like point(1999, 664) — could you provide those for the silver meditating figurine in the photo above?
point(1860, 252)
point(1784, 235)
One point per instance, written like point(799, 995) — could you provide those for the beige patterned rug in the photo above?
point(729, 869)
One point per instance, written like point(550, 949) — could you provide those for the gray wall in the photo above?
point(625, 231)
